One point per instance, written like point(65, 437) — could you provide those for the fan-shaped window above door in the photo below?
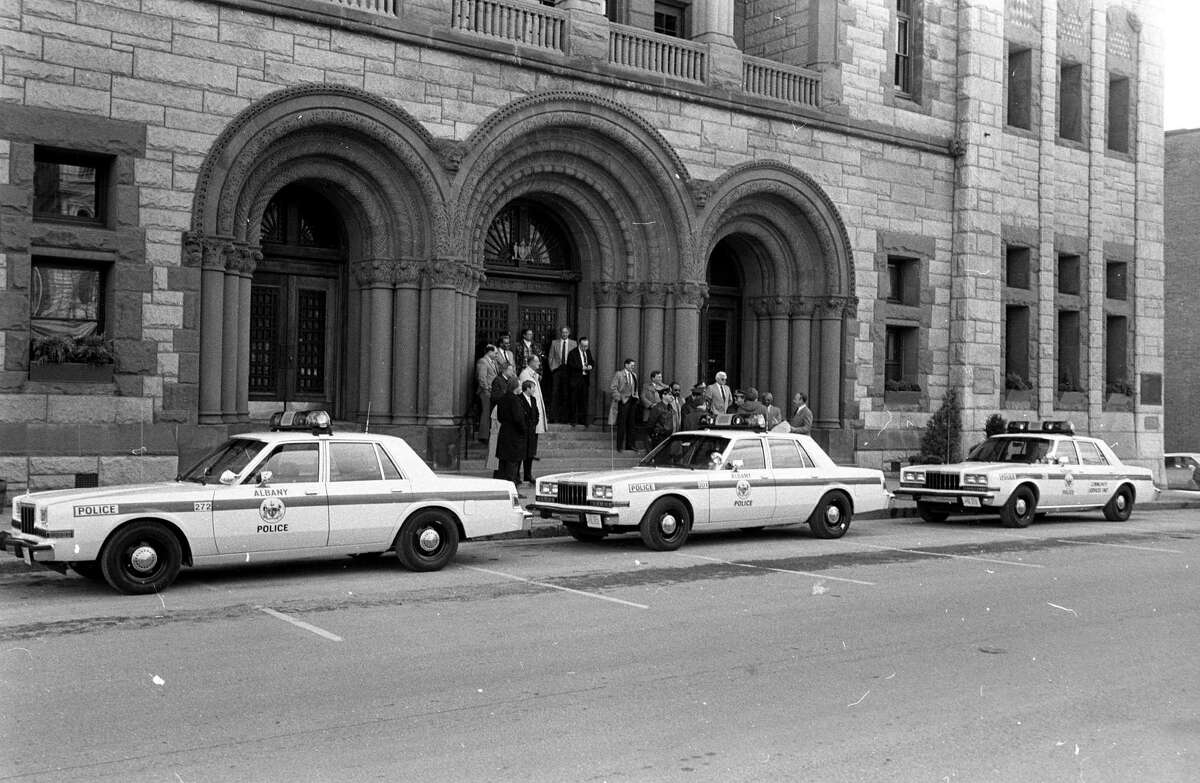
point(524, 235)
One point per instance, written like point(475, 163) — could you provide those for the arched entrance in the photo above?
point(720, 321)
point(530, 264)
point(297, 298)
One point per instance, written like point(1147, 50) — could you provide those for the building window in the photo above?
point(1115, 280)
point(1016, 348)
point(900, 359)
point(614, 10)
point(1118, 113)
point(1020, 86)
point(903, 56)
point(1070, 379)
point(66, 299)
point(903, 285)
point(1116, 355)
point(1070, 101)
point(69, 185)
point(1068, 274)
point(669, 20)
point(1016, 267)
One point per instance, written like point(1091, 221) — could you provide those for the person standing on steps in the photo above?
point(624, 390)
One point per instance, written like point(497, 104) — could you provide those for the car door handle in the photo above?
point(312, 492)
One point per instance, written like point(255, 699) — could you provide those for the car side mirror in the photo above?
point(228, 477)
point(265, 476)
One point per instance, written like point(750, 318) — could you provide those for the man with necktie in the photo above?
point(624, 388)
point(718, 395)
point(560, 386)
point(580, 367)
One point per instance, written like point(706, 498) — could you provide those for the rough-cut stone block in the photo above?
point(137, 470)
point(186, 71)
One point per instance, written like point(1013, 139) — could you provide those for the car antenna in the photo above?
point(367, 424)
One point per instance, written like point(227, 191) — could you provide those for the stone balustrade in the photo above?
point(782, 82)
point(630, 47)
point(382, 7)
point(510, 20)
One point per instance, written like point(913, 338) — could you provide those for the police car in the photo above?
point(1025, 472)
point(298, 491)
point(730, 475)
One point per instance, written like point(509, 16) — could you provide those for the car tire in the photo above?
point(1119, 506)
point(140, 558)
point(89, 569)
point(927, 513)
point(831, 517)
point(666, 525)
point(586, 534)
point(427, 541)
point(1020, 509)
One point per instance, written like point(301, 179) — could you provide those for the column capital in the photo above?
point(374, 272)
point(242, 259)
point(446, 272)
point(206, 251)
point(655, 294)
point(690, 293)
point(407, 273)
point(629, 293)
point(802, 307)
point(605, 293)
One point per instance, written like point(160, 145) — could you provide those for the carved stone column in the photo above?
point(690, 296)
point(630, 337)
point(247, 261)
point(406, 334)
point(778, 309)
point(445, 277)
point(654, 300)
point(208, 253)
point(801, 348)
point(375, 278)
point(828, 414)
point(604, 343)
point(755, 334)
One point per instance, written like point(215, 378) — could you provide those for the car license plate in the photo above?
point(593, 520)
point(971, 502)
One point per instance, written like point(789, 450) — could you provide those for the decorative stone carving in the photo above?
point(691, 293)
point(206, 252)
point(407, 273)
point(801, 307)
point(654, 294)
point(957, 147)
point(701, 190)
point(450, 153)
point(629, 293)
point(374, 272)
point(605, 293)
point(445, 272)
point(242, 259)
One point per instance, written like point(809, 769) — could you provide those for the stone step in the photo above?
point(547, 465)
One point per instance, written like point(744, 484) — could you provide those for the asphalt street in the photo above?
point(902, 652)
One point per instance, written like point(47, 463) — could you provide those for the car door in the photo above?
point(746, 494)
point(366, 494)
point(287, 510)
point(797, 485)
point(1064, 485)
point(1096, 481)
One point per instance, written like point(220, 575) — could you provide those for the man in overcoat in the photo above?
point(517, 442)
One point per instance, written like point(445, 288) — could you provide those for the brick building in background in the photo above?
point(1181, 250)
point(332, 203)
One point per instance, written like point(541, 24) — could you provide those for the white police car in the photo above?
point(1026, 472)
point(714, 479)
point(299, 491)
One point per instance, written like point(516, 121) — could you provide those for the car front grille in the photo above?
point(572, 494)
point(27, 513)
point(941, 480)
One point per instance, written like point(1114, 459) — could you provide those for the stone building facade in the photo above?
point(334, 202)
point(1181, 217)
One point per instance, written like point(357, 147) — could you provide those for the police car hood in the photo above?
point(621, 475)
point(117, 492)
point(981, 467)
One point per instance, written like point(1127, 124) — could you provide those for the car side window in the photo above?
point(750, 452)
point(786, 454)
point(1066, 452)
point(1090, 454)
point(390, 471)
point(353, 462)
point(1172, 462)
point(291, 463)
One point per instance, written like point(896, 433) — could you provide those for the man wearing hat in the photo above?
point(694, 407)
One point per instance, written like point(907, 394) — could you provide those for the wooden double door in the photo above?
point(512, 311)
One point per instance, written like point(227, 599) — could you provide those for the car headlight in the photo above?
point(547, 488)
point(602, 492)
point(975, 480)
point(913, 476)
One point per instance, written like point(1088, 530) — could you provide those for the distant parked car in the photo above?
point(298, 491)
point(1026, 472)
point(1182, 470)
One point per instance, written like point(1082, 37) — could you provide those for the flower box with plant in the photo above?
point(60, 357)
point(1118, 395)
point(900, 392)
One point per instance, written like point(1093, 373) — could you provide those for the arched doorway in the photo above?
point(297, 298)
point(721, 319)
point(530, 264)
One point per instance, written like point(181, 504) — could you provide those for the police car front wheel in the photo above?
point(1020, 509)
point(427, 541)
point(142, 557)
point(666, 525)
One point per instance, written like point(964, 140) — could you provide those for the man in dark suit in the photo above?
point(802, 418)
point(561, 408)
point(624, 388)
point(580, 368)
point(517, 441)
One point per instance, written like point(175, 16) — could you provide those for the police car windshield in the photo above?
point(1010, 450)
point(689, 450)
point(233, 454)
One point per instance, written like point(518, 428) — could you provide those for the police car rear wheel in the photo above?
point(1119, 506)
point(1020, 509)
point(427, 541)
point(831, 517)
point(666, 525)
point(140, 558)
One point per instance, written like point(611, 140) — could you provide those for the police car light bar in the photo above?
point(1017, 426)
point(318, 422)
point(1059, 427)
point(734, 421)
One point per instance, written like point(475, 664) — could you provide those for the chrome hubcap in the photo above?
point(143, 559)
point(1022, 507)
point(1121, 502)
point(833, 516)
point(668, 523)
point(429, 540)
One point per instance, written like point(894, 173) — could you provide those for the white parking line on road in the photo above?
point(1121, 546)
point(780, 570)
point(555, 587)
point(300, 623)
point(944, 554)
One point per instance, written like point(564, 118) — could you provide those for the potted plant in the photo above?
point(1118, 395)
point(1070, 393)
point(1018, 391)
point(899, 392)
point(87, 359)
